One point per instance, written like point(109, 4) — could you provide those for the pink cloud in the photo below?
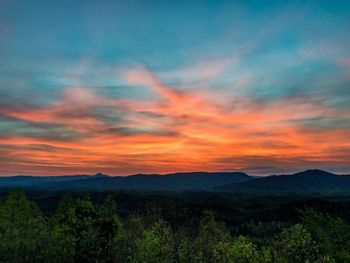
point(72, 110)
point(144, 77)
point(344, 62)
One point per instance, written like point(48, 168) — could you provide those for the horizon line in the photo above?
point(164, 174)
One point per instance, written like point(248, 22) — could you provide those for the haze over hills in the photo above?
point(310, 181)
point(142, 182)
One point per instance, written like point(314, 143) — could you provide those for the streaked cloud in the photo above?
point(194, 130)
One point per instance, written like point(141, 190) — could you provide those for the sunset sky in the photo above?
point(124, 87)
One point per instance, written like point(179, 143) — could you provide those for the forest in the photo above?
point(113, 228)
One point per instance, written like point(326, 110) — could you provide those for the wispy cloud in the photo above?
point(196, 131)
point(203, 70)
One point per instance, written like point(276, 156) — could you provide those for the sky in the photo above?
point(158, 86)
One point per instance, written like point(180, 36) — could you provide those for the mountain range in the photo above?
point(308, 182)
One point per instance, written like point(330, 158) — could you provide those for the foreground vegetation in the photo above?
point(81, 231)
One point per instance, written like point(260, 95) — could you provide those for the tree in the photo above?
point(134, 227)
point(331, 233)
point(184, 251)
point(62, 232)
point(210, 234)
point(295, 244)
point(325, 259)
point(22, 230)
point(111, 234)
point(87, 245)
point(240, 250)
point(154, 245)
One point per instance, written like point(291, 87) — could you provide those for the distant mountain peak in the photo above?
point(314, 172)
point(100, 175)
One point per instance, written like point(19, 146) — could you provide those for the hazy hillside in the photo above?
point(152, 182)
point(310, 181)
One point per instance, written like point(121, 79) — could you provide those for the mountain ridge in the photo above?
point(148, 182)
point(313, 181)
point(308, 181)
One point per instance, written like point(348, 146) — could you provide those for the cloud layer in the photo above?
point(177, 130)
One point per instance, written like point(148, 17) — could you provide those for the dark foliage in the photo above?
point(168, 227)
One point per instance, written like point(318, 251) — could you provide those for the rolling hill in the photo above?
point(310, 181)
point(306, 182)
point(140, 182)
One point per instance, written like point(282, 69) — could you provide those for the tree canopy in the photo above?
point(82, 231)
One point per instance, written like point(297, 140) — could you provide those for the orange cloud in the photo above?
point(177, 131)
